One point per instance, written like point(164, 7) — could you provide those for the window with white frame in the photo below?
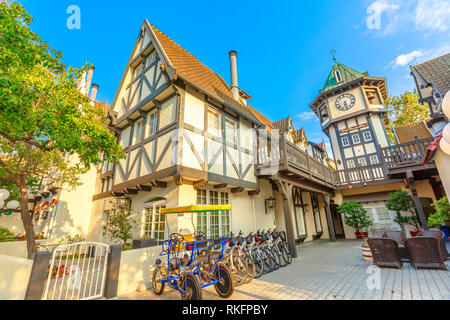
point(350, 163)
point(154, 223)
point(213, 121)
point(217, 223)
point(138, 131)
point(152, 123)
point(151, 58)
point(316, 212)
point(374, 159)
point(367, 136)
point(356, 139)
point(231, 130)
point(380, 215)
point(138, 70)
point(362, 162)
point(338, 76)
point(345, 142)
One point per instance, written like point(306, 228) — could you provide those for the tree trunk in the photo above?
point(26, 218)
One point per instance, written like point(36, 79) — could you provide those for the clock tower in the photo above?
point(352, 114)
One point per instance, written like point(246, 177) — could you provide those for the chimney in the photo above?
point(94, 91)
point(89, 80)
point(234, 78)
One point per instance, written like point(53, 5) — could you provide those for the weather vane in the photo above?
point(333, 53)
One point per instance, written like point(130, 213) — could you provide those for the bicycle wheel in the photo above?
point(258, 263)
point(288, 252)
point(158, 286)
point(191, 284)
point(251, 268)
point(225, 287)
point(238, 268)
point(271, 258)
point(276, 257)
point(268, 262)
point(284, 256)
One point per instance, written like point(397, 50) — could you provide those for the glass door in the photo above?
point(155, 223)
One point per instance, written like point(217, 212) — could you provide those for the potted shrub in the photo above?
point(356, 216)
point(441, 218)
point(401, 201)
point(120, 224)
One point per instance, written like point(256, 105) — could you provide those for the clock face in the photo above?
point(345, 102)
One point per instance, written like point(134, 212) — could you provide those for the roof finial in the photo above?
point(333, 53)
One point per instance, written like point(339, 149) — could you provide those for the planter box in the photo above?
point(140, 244)
point(360, 236)
point(414, 233)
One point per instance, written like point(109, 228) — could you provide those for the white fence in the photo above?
point(77, 272)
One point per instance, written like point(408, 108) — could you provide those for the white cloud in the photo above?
point(433, 15)
point(404, 59)
point(307, 116)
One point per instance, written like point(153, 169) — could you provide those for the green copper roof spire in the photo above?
point(340, 75)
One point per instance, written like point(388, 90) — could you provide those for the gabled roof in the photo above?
point(347, 74)
point(261, 118)
point(283, 125)
point(191, 69)
point(435, 72)
point(407, 133)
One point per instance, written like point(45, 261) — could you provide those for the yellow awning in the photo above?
point(196, 208)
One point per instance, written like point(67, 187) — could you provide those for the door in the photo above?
point(299, 214)
point(337, 221)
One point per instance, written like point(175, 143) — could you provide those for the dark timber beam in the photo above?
point(286, 193)
point(117, 194)
point(200, 183)
point(130, 191)
point(254, 192)
point(330, 222)
point(412, 185)
point(145, 188)
point(178, 180)
point(237, 190)
point(159, 184)
point(220, 186)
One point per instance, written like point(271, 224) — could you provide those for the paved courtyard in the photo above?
point(332, 271)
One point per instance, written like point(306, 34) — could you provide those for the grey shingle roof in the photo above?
point(436, 72)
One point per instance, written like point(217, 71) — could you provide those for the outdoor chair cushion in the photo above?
point(385, 252)
point(441, 236)
point(400, 238)
point(425, 252)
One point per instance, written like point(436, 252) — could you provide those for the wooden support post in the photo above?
point(412, 185)
point(286, 192)
point(237, 190)
point(330, 222)
point(112, 272)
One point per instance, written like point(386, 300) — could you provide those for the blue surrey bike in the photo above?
point(193, 262)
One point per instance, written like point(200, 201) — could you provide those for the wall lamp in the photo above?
point(270, 203)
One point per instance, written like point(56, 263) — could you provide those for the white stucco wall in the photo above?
point(14, 277)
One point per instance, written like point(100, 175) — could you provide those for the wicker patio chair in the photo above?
point(425, 252)
point(385, 252)
point(400, 238)
point(441, 236)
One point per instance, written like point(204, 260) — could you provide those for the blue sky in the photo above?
point(283, 46)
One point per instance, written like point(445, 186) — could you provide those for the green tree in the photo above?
point(399, 201)
point(442, 213)
point(405, 109)
point(49, 131)
point(120, 223)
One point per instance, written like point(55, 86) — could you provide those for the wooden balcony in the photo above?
point(407, 156)
point(362, 176)
point(283, 156)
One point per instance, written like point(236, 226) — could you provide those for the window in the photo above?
point(324, 114)
point(230, 130)
point(356, 139)
point(350, 164)
point(152, 123)
point(213, 121)
point(374, 160)
point(138, 131)
point(367, 136)
point(316, 212)
point(362, 162)
point(155, 223)
point(345, 142)
point(138, 70)
point(168, 112)
point(151, 58)
point(338, 76)
point(299, 213)
point(214, 224)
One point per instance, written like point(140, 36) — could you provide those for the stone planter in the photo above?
point(140, 244)
point(367, 254)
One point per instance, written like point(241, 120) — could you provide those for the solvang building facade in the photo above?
point(192, 138)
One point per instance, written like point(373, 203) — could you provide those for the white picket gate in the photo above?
point(77, 272)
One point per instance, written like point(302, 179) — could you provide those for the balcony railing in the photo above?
point(405, 154)
point(361, 175)
point(282, 155)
